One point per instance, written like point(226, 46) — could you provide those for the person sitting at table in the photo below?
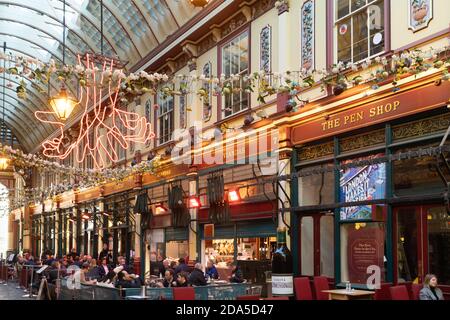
point(126, 280)
point(103, 269)
point(197, 277)
point(83, 274)
point(182, 280)
point(182, 267)
point(430, 291)
point(211, 270)
point(236, 275)
point(168, 279)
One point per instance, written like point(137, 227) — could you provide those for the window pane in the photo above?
point(316, 189)
point(243, 53)
point(376, 28)
point(342, 8)
point(407, 260)
point(362, 245)
point(307, 246)
point(356, 4)
point(344, 40)
point(327, 246)
point(360, 44)
point(439, 244)
point(416, 176)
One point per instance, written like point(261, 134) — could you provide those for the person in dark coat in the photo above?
point(197, 277)
point(104, 268)
point(168, 279)
point(126, 280)
point(105, 253)
point(182, 280)
point(236, 275)
point(430, 291)
point(182, 267)
point(122, 262)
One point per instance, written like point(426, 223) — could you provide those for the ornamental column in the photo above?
point(284, 160)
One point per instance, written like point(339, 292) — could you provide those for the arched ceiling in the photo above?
point(132, 29)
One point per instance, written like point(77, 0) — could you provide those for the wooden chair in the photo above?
point(415, 291)
point(302, 289)
point(183, 293)
point(249, 297)
point(399, 293)
point(321, 283)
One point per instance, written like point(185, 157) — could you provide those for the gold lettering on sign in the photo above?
point(382, 109)
point(355, 117)
point(331, 124)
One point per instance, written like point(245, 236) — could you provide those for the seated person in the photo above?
point(182, 280)
point(197, 278)
point(211, 270)
point(126, 280)
point(104, 268)
point(182, 266)
point(168, 279)
point(83, 274)
point(236, 275)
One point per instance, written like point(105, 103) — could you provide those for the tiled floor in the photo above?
point(10, 292)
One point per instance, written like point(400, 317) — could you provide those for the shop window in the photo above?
point(407, 258)
point(165, 118)
point(416, 176)
point(362, 183)
point(438, 225)
point(362, 246)
point(327, 246)
point(359, 29)
point(316, 188)
point(235, 62)
point(307, 246)
point(177, 249)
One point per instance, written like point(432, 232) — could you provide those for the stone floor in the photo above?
point(10, 292)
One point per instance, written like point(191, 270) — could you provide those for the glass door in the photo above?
point(317, 245)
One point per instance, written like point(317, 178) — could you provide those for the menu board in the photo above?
point(361, 184)
point(365, 248)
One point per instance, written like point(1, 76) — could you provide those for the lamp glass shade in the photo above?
point(4, 163)
point(194, 202)
point(233, 196)
point(63, 104)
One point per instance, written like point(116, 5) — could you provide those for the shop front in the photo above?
point(370, 200)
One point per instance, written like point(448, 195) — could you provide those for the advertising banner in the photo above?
point(361, 184)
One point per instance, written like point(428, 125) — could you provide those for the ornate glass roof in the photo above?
point(131, 28)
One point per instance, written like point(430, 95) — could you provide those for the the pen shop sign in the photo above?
point(382, 110)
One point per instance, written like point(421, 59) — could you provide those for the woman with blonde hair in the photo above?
point(430, 291)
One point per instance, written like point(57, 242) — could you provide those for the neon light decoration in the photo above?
point(99, 130)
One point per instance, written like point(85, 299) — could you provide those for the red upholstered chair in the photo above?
point(383, 293)
point(415, 291)
point(250, 297)
point(183, 293)
point(399, 293)
point(321, 283)
point(302, 289)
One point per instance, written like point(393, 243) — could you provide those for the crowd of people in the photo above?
point(104, 272)
point(177, 274)
point(89, 270)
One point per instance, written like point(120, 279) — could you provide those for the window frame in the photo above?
point(171, 113)
point(246, 29)
point(333, 20)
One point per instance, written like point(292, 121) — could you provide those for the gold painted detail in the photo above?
point(362, 141)
point(316, 151)
point(421, 127)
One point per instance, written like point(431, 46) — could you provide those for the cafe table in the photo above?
point(343, 294)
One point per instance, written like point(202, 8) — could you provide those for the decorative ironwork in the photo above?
point(421, 127)
point(207, 110)
point(307, 35)
point(362, 141)
point(316, 151)
point(262, 6)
